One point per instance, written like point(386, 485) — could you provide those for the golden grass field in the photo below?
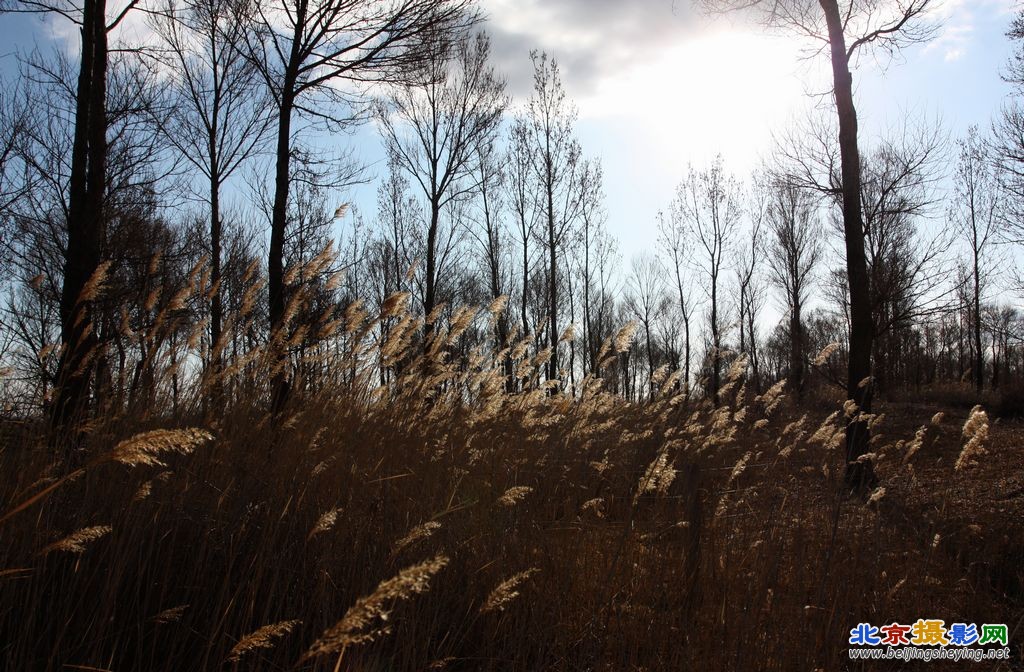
point(437, 522)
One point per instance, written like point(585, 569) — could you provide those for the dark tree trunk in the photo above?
point(858, 386)
point(84, 226)
point(216, 400)
point(755, 356)
point(588, 353)
point(553, 287)
point(500, 321)
point(796, 352)
point(275, 263)
point(430, 295)
point(686, 347)
point(716, 342)
point(686, 331)
point(979, 356)
point(650, 356)
point(526, 280)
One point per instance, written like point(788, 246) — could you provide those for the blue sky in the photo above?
point(659, 86)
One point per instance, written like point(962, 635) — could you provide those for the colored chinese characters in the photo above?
point(930, 632)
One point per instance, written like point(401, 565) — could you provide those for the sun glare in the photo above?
point(718, 92)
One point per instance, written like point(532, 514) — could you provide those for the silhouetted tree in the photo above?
point(676, 245)
point(522, 203)
point(593, 258)
point(794, 250)
point(218, 117)
point(975, 214)
point(846, 27)
point(750, 290)
point(491, 235)
point(645, 300)
point(87, 184)
point(435, 126)
point(556, 163)
point(1008, 141)
point(710, 204)
point(313, 56)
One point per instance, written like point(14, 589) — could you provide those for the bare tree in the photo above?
point(975, 213)
point(750, 290)
point(794, 250)
point(218, 118)
point(1008, 139)
point(900, 175)
point(845, 28)
point(491, 235)
point(645, 300)
point(522, 202)
point(85, 199)
point(677, 248)
point(596, 246)
point(397, 220)
point(905, 263)
point(436, 125)
point(14, 118)
point(313, 57)
point(555, 155)
point(710, 204)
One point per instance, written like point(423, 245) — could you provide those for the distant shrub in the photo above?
point(1011, 402)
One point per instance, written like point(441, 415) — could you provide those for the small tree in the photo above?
point(749, 287)
point(218, 117)
point(794, 250)
point(436, 126)
point(556, 165)
point(313, 57)
point(710, 204)
point(975, 214)
point(645, 299)
point(677, 248)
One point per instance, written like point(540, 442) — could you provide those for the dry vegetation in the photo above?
point(439, 522)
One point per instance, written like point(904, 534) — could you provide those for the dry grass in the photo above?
point(439, 522)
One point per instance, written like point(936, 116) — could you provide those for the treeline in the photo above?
point(169, 209)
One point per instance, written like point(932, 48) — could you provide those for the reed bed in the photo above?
point(407, 512)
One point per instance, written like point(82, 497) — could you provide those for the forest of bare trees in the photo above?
point(473, 364)
point(122, 187)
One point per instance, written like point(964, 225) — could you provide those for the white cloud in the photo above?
point(959, 20)
point(591, 39)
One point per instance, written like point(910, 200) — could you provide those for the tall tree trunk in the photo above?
point(430, 294)
point(716, 341)
point(686, 347)
point(858, 386)
point(526, 279)
point(84, 227)
point(501, 320)
point(796, 352)
point(553, 286)
point(572, 343)
point(755, 355)
point(979, 356)
point(686, 331)
point(588, 363)
point(275, 264)
point(216, 399)
point(650, 356)
point(743, 319)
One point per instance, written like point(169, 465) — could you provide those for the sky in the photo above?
point(660, 86)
